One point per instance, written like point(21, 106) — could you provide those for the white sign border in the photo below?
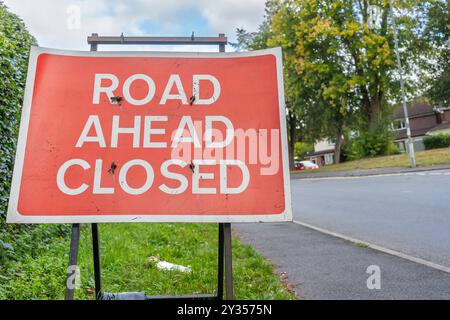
point(15, 217)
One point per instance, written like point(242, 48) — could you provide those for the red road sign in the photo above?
point(145, 136)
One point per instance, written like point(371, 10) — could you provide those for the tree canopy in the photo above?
point(339, 61)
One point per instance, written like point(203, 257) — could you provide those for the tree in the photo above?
point(15, 42)
point(259, 40)
point(339, 66)
point(436, 35)
point(301, 149)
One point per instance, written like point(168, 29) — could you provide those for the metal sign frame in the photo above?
point(224, 241)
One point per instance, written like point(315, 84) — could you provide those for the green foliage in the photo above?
point(436, 34)
point(302, 148)
point(40, 271)
point(257, 40)
point(20, 245)
point(15, 42)
point(369, 144)
point(436, 141)
point(338, 69)
point(33, 261)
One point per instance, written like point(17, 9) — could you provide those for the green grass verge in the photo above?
point(423, 158)
point(125, 249)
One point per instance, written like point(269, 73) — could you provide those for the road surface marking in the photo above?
point(377, 247)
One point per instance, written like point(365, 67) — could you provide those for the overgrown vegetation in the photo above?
point(33, 265)
point(18, 244)
point(15, 42)
point(436, 141)
point(40, 273)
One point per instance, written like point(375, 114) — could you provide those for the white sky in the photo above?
point(55, 23)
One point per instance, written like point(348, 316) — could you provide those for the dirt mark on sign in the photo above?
point(113, 168)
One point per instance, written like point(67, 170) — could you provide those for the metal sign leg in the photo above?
point(95, 240)
point(228, 261)
point(97, 267)
point(220, 264)
point(73, 257)
point(225, 260)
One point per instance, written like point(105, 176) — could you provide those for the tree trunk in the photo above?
point(375, 114)
point(338, 145)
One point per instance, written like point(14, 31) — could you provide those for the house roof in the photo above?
point(320, 153)
point(415, 109)
point(401, 134)
point(439, 127)
point(418, 110)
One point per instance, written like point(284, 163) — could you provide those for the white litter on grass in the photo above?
point(164, 265)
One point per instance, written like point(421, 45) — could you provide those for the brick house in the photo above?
point(424, 120)
point(323, 153)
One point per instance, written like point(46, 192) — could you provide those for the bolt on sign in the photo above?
point(152, 137)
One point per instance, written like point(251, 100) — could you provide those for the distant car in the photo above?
point(298, 166)
point(305, 165)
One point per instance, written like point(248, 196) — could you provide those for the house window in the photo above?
point(399, 124)
point(329, 158)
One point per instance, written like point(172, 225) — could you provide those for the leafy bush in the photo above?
point(369, 144)
point(435, 141)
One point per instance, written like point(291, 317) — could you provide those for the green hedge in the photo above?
point(15, 42)
point(18, 243)
point(435, 141)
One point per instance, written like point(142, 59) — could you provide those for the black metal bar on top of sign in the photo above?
point(95, 39)
point(224, 241)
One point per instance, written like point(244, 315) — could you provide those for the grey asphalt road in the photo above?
point(320, 266)
point(409, 213)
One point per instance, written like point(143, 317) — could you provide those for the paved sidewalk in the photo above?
point(365, 172)
point(320, 266)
